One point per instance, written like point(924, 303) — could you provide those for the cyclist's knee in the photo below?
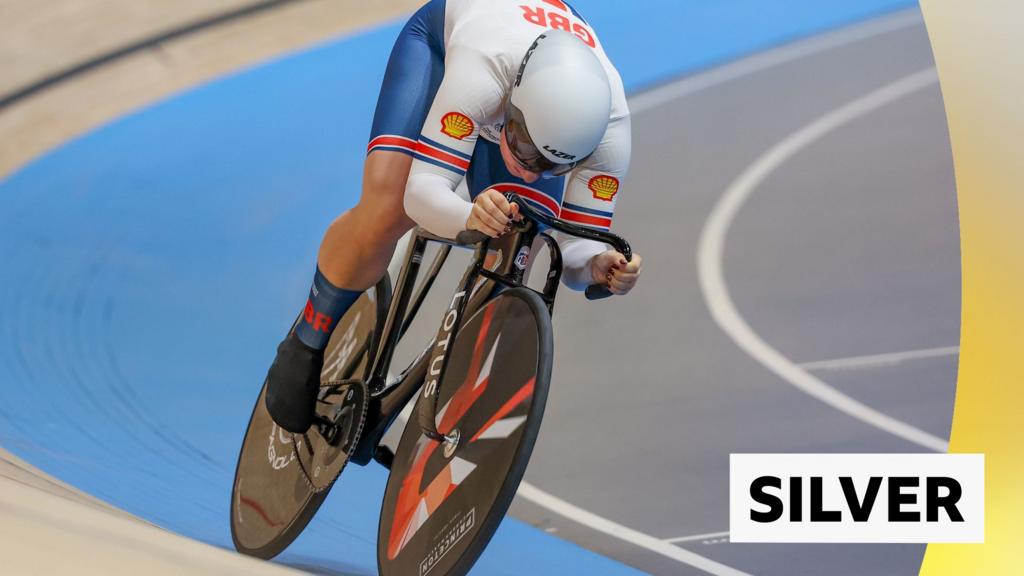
point(381, 205)
point(385, 174)
point(384, 220)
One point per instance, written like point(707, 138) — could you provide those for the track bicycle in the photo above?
point(481, 386)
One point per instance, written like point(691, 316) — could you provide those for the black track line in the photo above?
point(190, 28)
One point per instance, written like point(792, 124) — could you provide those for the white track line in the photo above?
point(712, 245)
point(555, 504)
point(645, 101)
point(758, 62)
point(879, 359)
point(595, 522)
point(695, 537)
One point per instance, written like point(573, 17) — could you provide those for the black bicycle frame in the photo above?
point(428, 368)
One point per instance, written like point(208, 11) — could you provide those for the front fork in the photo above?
point(515, 265)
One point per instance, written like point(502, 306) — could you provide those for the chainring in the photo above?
point(323, 451)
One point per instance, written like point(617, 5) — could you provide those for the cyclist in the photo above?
point(510, 96)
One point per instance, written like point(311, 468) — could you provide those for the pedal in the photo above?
point(329, 430)
point(384, 456)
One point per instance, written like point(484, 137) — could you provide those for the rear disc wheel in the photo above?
point(282, 478)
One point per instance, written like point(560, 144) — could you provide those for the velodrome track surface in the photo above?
point(846, 247)
point(844, 259)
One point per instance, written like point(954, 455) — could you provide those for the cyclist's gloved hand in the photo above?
point(610, 269)
point(492, 214)
point(293, 383)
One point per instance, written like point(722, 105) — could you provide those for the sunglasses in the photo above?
point(525, 152)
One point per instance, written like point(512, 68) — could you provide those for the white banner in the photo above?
point(908, 498)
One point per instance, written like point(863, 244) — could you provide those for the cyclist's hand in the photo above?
point(492, 214)
point(610, 269)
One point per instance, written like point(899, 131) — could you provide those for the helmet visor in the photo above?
point(525, 151)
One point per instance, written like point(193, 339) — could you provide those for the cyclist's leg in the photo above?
point(357, 246)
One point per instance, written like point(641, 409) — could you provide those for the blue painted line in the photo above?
point(151, 266)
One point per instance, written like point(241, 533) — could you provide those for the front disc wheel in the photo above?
point(444, 500)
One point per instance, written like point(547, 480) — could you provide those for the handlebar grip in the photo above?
point(469, 237)
point(597, 292)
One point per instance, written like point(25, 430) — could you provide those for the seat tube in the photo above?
point(396, 313)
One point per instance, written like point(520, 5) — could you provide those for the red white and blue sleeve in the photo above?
point(469, 91)
point(591, 192)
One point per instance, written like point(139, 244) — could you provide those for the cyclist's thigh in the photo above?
point(413, 75)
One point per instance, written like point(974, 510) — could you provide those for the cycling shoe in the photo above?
point(293, 383)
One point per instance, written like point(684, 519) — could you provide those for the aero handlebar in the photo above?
point(594, 291)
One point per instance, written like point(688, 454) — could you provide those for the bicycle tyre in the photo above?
point(438, 515)
point(272, 499)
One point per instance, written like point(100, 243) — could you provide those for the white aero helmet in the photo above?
point(558, 108)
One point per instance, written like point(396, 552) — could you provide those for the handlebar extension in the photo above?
point(594, 291)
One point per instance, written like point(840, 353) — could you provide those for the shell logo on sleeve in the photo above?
point(604, 187)
point(456, 125)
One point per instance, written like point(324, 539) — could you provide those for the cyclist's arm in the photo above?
point(576, 256)
point(590, 197)
point(469, 91)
